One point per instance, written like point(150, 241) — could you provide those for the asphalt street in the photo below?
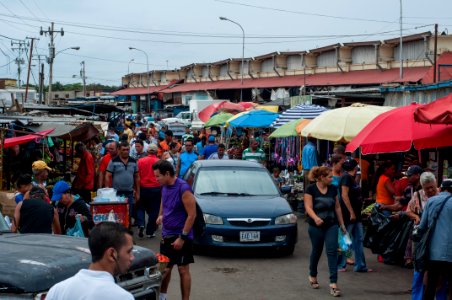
point(260, 275)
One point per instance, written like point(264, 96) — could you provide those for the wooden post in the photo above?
point(2, 141)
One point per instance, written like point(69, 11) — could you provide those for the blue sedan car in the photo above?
point(242, 206)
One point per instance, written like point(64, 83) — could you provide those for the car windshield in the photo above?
point(235, 182)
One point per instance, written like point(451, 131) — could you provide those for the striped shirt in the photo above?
point(257, 156)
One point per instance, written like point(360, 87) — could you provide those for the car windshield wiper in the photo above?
point(212, 193)
point(239, 194)
point(225, 193)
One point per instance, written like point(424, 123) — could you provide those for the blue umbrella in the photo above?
point(298, 112)
point(254, 119)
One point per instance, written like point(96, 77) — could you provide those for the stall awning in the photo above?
point(11, 142)
point(74, 132)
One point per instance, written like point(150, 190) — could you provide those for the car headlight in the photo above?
point(211, 219)
point(286, 219)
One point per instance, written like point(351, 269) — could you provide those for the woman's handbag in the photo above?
point(422, 241)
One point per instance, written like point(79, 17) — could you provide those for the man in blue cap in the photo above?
point(211, 148)
point(69, 206)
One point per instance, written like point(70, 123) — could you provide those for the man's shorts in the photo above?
point(177, 257)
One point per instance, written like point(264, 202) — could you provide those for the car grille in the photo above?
point(249, 222)
point(143, 283)
point(236, 239)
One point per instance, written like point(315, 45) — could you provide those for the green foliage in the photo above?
point(58, 86)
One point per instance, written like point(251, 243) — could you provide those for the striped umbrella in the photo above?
point(301, 111)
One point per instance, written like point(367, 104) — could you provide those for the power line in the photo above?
point(178, 33)
point(309, 13)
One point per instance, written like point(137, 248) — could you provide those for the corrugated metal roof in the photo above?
point(367, 77)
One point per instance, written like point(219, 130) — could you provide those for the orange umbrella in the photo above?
point(302, 125)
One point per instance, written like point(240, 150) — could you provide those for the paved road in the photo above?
point(261, 276)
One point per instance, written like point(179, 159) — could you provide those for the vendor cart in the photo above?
point(117, 212)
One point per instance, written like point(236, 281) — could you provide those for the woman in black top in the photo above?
point(35, 215)
point(351, 204)
point(324, 214)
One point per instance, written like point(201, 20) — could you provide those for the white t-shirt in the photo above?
point(86, 285)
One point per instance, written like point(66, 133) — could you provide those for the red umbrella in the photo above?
point(396, 131)
point(248, 105)
point(226, 106)
point(437, 112)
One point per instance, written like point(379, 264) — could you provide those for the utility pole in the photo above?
point(435, 50)
point(19, 60)
point(401, 42)
point(51, 57)
point(29, 67)
point(41, 76)
point(83, 75)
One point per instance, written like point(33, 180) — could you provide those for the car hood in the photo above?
point(35, 262)
point(245, 206)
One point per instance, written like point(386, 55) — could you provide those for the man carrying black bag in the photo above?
point(434, 246)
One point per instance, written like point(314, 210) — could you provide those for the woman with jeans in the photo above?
point(324, 214)
point(351, 204)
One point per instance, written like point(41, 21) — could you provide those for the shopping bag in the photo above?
point(345, 242)
point(77, 230)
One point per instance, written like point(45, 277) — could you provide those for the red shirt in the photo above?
point(147, 177)
point(85, 172)
point(104, 162)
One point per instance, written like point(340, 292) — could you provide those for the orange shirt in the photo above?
point(163, 148)
point(383, 196)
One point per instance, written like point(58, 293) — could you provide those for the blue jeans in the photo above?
point(323, 236)
point(357, 235)
point(417, 288)
point(150, 204)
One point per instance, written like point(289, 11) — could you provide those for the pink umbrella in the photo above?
point(396, 131)
point(224, 106)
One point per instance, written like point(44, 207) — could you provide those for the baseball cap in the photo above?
point(414, 169)
point(447, 183)
point(59, 189)
point(349, 164)
point(211, 138)
point(40, 165)
point(152, 148)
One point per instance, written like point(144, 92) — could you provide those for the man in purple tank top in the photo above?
point(177, 215)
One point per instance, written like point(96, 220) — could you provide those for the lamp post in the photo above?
point(50, 61)
point(147, 70)
point(128, 65)
point(243, 53)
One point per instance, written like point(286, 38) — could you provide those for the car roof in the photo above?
point(210, 163)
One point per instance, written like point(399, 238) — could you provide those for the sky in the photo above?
point(180, 32)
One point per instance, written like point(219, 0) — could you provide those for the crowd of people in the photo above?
point(334, 201)
point(146, 165)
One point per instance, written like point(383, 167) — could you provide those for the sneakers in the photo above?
point(140, 233)
point(151, 235)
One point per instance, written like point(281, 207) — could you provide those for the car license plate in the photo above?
point(250, 236)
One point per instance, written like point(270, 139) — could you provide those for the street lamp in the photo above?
point(147, 69)
point(50, 61)
point(128, 65)
point(243, 53)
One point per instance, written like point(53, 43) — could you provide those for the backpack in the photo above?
point(199, 225)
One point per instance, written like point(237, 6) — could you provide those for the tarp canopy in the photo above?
point(74, 132)
point(11, 142)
